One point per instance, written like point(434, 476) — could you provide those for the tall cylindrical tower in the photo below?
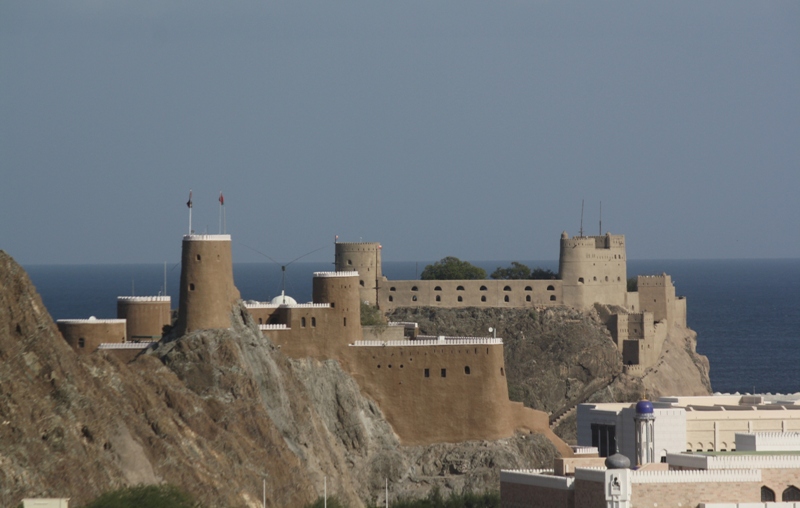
point(340, 290)
point(645, 423)
point(364, 258)
point(145, 316)
point(207, 290)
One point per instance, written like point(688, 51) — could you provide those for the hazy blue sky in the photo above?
point(439, 128)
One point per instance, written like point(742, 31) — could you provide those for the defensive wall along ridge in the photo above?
point(592, 274)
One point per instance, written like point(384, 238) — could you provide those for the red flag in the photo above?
point(221, 198)
point(189, 203)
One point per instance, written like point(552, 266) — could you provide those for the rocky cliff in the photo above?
point(559, 357)
point(213, 412)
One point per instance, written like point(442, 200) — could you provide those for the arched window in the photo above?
point(483, 288)
point(81, 342)
point(414, 288)
point(528, 288)
point(507, 288)
point(483, 298)
point(552, 298)
point(460, 288)
point(580, 280)
point(392, 289)
point(527, 298)
point(551, 288)
point(437, 288)
point(361, 282)
point(460, 298)
point(313, 322)
point(302, 322)
point(438, 298)
point(506, 298)
point(767, 494)
point(414, 298)
point(466, 370)
point(391, 298)
point(791, 493)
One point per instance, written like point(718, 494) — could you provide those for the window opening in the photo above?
point(483, 298)
point(444, 372)
point(506, 298)
point(460, 288)
point(460, 298)
point(767, 494)
point(466, 370)
point(81, 342)
point(437, 288)
point(302, 322)
point(313, 322)
point(551, 288)
point(427, 372)
point(791, 493)
point(438, 298)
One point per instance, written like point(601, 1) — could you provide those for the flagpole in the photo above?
point(189, 204)
point(220, 212)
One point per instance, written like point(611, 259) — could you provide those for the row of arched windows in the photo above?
point(483, 298)
point(483, 288)
point(791, 493)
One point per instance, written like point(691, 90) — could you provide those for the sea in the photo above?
point(746, 312)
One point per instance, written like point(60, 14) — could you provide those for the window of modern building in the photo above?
point(767, 494)
point(791, 493)
point(604, 438)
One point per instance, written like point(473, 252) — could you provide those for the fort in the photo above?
point(431, 389)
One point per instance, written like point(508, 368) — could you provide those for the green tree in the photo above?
point(514, 272)
point(151, 496)
point(452, 268)
point(518, 271)
point(371, 315)
point(633, 284)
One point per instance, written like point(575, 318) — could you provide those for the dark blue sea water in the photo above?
point(746, 312)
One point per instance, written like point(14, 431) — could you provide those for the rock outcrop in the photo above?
point(214, 412)
point(559, 357)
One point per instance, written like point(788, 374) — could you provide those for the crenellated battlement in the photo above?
point(144, 299)
point(206, 238)
point(336, 274)
point(689, 476)
point(448, 341)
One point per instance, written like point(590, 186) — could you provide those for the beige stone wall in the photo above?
point(85, 336)
point(657, 295)
point(715, 430)
point(691, 494)
point(469, 293)
point(145, 318)
point(515, 495)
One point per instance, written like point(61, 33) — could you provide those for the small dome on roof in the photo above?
point(644, 407)
point(282, 299)
point(618, 461)
point(564, 235)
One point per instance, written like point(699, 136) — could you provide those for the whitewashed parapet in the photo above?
point(441, 338)
point(144, 299)
point(540, 478)
point(449, 342)
point(585, 450)
point(92, 321)
point(126, 345)
point(206, 238)
point(267, 305)
point(351, 273)
point(689, 476)
point(403, 323)
point(273, 327)
point(721, 462)
point(767, 441)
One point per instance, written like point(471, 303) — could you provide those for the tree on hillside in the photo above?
point(452, 268)
point(518, 271)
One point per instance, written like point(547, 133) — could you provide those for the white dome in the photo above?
point(282, 299)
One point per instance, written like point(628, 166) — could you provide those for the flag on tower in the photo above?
point(189, 203)
point(221, 199)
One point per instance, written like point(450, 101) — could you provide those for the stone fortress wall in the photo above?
point(145, 316)
point(86, 335)
point(592, 270)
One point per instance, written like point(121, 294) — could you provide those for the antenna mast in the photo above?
point(581, 231)
point(601, 218)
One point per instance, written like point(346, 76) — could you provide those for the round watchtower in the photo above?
point(340, 290)
point(364, 258)
point(593, 270)
point(86, 335)
point(145, 316)
point(207, 290)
